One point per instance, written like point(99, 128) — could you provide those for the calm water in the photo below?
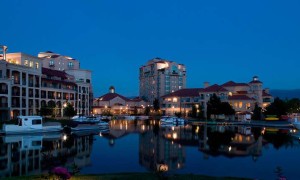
point(130, 146)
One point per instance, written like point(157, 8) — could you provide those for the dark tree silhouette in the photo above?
point(69, 110)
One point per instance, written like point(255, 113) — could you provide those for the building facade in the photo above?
point(26, 85)
point(82, 78)
point(115, 104)
point(159, 77)
point(241, 96)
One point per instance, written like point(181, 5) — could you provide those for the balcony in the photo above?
point(37, 85)
point(15, 105)
point(37, 95)
point(16, 94)
point(3, 91)
point(16, 81)
point(30, 84)
point(3, 105)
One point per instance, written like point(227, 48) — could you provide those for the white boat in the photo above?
point(86, 119)
point(31, 124)
point(172, 120)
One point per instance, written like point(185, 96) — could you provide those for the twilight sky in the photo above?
point(217, 40)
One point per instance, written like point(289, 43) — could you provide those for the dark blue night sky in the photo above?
point(217, 40)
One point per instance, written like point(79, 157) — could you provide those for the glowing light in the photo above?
point(229, 148)
point(174, 135)
point(65, 137)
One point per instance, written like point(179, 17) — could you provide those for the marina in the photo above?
point(213, 150)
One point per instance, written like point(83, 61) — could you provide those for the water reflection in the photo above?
point(156, 145)
point(37, 154)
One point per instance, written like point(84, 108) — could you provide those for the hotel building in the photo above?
point(114, 103)
point(28, 82)
point(159, 77)
point(241, 96)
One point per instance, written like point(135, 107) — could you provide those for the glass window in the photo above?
point(26, 63)
point(36, 121)
point(51, 63)
point(36, 65)
point(31, 64)
point(70, 65)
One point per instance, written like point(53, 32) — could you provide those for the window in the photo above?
point(31, 64)
point(36, 121)
point(70, 65)
point(51, 63)
point(26, 63)
point(36, 65)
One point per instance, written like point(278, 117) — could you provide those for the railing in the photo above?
point(16, 94)
point(3, 91)
point(15, 105)
point(4, 105)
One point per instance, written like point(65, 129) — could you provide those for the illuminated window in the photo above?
point(51, 63)
point(175, 99)
point(31, 64)
point(36, 65)
point(70, 65)
point(240, 104)
point(26, 63)
point(230, 93)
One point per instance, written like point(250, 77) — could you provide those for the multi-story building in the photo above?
point(241, 96)
point(84, 91)
point(25, 85)
point(20, 85)
point(159, 77)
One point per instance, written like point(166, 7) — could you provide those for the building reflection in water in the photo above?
point(37, 154)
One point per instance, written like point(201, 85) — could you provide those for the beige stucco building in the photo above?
point(28, 82)
point(159, 77)
point(241, 96)
point(115, 104)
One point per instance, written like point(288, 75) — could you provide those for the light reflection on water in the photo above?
point(140, 146)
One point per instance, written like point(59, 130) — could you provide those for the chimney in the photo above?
point(206, 84)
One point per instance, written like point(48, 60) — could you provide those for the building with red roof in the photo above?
point(241, 96)
point(114, 103)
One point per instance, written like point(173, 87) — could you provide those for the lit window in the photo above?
point(175, 99)
point(31, 64)
point(26, 63)
point(51, 63)
point(36, 65)
point(70, 65)
point(230, 93)
point(240, 104)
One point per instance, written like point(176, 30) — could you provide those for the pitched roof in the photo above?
point(255, 82)
point(51, 72)
point(190, 92)
point(214, 88)
point(232, 83)
point(264, 93)
point(110, 96)
point(136, 99)
point(240, 97)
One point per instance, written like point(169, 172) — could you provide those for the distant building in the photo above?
point(241, 96)
point(159, 77)
point(114, 103)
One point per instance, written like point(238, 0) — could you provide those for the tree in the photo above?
point(257, 115)
point(45, 111)
point(147, 111)
point(226, 108)
point(213, 105)
point(196, 113)
point(278, 108)
point(69, 110)
point(293, 105)
point(156, 105)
